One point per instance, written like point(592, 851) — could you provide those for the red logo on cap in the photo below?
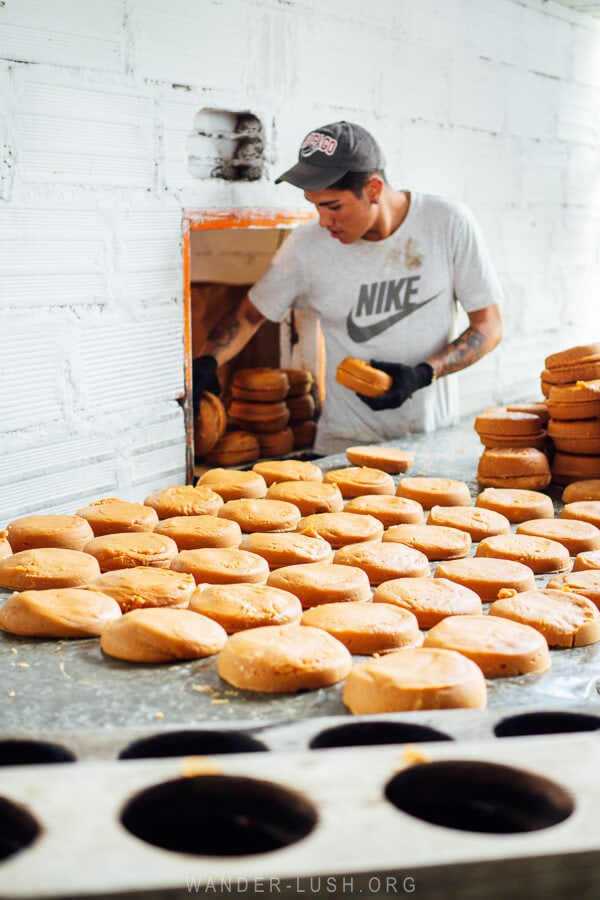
point(317, 141)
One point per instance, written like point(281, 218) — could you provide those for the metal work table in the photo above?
point(69, 685)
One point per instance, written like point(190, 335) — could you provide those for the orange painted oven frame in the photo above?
point(210, 220)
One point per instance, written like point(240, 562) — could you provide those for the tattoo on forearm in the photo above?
point(468, 347)
point(224, 332)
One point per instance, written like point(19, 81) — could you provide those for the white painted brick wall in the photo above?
point(432, 158)
point(31, 372)
point(532, 105)
point(494, 173)
point(78, 33)
point(410, 64)
point(496, 103)
point(194, 43)
point(585, 56)
point(109, 459)
point(552, 56)
point(442, 25)
point(478, 93)
point(578, 114)
point(494, 32)
point(54, 257)
point(81, 133)
point(544, 175)
point(582, 177)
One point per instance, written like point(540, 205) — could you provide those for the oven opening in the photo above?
point(225, 253)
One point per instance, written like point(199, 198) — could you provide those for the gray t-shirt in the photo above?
point(392, 300)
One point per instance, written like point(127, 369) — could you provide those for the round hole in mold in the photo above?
point(191, 743)
point(219, 815)
point(470, 795)
point(368, 733)
point(18, 828)
point(550, 722)
point(24, 752)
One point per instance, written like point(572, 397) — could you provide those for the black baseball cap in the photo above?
point(328, 153)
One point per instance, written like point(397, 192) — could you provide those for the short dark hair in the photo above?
point(355, 181)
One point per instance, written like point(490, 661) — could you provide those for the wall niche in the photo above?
point(226, 145)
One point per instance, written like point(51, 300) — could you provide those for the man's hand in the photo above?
point(204, 378)
point(405, 381)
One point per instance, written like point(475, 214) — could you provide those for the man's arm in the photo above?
point(483, 334)
point(230, 335)
point(232, 332)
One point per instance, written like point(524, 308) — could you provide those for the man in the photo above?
point(383, 269)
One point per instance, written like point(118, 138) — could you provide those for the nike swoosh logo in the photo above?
point(360, 334)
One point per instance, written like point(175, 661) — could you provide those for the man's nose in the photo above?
point(325, 218)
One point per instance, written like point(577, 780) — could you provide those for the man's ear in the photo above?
point(373, 187)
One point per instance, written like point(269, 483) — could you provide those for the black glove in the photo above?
point(204, 378)
point(405, 381)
